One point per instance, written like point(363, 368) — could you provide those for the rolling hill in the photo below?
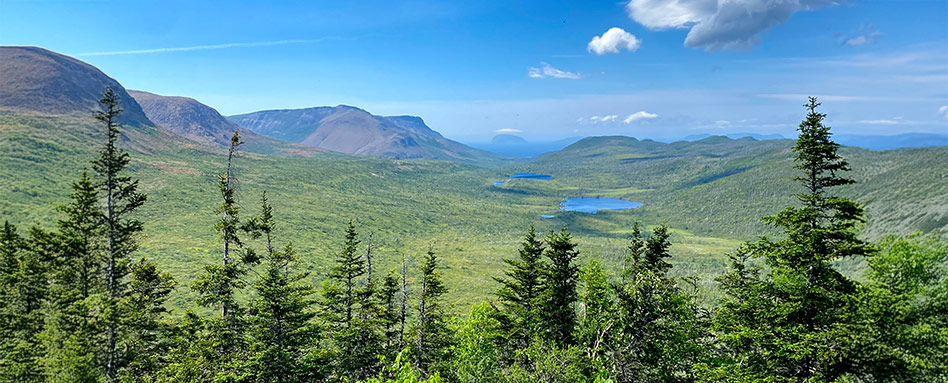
point(351, 130)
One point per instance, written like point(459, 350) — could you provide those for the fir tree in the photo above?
point(147, 345)
point(432, 336)
point(122, 198)
point(791, 325)
point(24, 290)
point(558, 318)
point(220, 283)
point(73, 334)
point(521, 289)
point(280, 317)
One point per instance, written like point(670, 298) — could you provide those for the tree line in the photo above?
point(78, 305)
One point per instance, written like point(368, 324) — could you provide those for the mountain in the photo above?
point(352, 130)
point(203, 124)
point(756, 136)
point(40, 81)
point(508, 139)
point(906, 140)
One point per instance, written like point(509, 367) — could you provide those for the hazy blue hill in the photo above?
point(516, 146)
point(906, 140)
point(351, 130)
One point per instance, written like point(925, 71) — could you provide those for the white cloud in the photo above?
point(641, 115)
point(547, 70)
point(614, 40)
point(598, 119)
point(507, 131)
point(200, 47)
point(943, 111)
point(867, 35)
point(719, 24)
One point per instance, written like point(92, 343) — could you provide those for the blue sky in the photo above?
point(543, 70)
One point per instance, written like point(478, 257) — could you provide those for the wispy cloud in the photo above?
point(201, 47)
point(598, 119)
point(640, 115)
point(546, 70)
point(943, 111)
point(866, 35)
point(842, 98)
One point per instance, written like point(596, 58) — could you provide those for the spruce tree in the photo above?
point(147, 344)
point(658, 331)
point(521, 289)
point(791, 324)
point(433, 339)
point(219, 285)
point(122, 198)
point(23, 289)
point(280, 314)
point(73, 335)
point(558, 314)
point(390, 315)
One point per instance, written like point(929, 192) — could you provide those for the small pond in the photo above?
point(547, 216)
point(533, 176)
point(592, 205)
point(499, 183)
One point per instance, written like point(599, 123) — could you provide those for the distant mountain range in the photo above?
point(873, 142)
point(349, 129)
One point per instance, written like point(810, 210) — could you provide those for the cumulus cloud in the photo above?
point(943, 111)
point(719, 24)
point(614, 40)
point(598, 119)
point(546, 70)
point(508, 131)
point(641, 115)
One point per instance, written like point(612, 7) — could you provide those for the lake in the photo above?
point(533, 176)
point(592, 205)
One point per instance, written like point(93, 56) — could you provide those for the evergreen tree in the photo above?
point(342, 305)
point(390, 315)
point(73, 335)
point(433, 339)
point(122, 198)
point(23, 289)
point(658, 331)
point(147, 345)
point(792, 325)
point(521, 289)
point(219, 284)
point(558, 314)
point(280, 317)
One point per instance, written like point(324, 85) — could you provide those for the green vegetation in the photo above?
point(80, 302)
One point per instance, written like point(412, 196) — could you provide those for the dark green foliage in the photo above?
point(433, 339)
point(146, 346)
point(520, 291)
point(122, 198)
point(224, 341)
point(557, 314)
point(902, 328)
point(793, 323)
point(23, 289)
